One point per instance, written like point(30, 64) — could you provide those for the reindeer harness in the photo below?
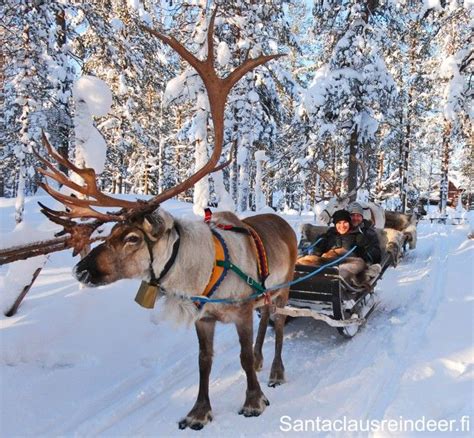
point(148, 291)
point(223, 264)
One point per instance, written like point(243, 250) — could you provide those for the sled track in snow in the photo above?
point(138, 402)
point(421, 313)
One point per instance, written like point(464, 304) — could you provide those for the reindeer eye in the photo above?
point(132, 238)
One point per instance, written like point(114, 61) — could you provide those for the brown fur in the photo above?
point(125, 255)
point(395, 241)
point(406, 223)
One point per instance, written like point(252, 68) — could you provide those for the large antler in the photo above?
point(217, 90)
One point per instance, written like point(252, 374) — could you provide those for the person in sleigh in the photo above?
point(339, 240)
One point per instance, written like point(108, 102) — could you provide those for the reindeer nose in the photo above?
point(83, 276)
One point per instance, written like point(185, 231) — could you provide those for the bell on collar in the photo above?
point(146, 295)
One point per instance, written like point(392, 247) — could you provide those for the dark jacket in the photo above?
point(363, 237)
point(369, 242)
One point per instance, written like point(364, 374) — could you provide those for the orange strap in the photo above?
point(216, 270)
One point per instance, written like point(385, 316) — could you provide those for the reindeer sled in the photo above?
point(329, 297)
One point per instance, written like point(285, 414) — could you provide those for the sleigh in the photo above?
point(329, 297)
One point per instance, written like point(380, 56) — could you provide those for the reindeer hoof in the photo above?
point(195, 423)
point(253, 408)
point(246, 412)
point(277, 376)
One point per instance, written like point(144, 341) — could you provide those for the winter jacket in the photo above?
point(363, 237)
point(369, 243)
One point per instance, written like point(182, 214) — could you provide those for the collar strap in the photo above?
point(154, 281)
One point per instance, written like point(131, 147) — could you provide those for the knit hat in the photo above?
point(341, 215)
point(356, 208)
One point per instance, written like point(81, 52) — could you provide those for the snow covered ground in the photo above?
point(91, 362)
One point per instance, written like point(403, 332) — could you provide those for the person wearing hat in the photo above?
point(337, 241)
point(367, 238)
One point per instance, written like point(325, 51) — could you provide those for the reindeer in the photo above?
point(406, 223)
point(179, 256)
point(372, 211)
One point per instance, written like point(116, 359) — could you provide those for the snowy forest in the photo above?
point(386, 83)
point(282, 112)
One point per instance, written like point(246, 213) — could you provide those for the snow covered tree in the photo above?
point(36, 86)
point(353, 91)
point(456, 57)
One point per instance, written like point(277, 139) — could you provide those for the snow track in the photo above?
point(91, 363)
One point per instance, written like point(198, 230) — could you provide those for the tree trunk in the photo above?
point(353, 164)
point(404, 161)
point(64, 129)
point(234, 174)
point(443, 196)
point(380, 169)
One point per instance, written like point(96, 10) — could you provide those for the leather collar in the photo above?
point(154, 281)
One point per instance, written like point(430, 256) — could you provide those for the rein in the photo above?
point(268, 291)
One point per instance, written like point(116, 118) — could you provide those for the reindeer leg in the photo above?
point(262, 330)
point(277, 373)
point(201, 413)
point(255, 400)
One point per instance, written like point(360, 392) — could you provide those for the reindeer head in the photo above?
point(133, 249)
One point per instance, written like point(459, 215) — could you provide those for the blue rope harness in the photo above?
point(204, 300)
point(310, 247)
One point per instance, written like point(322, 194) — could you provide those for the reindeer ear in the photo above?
point(157, 223)
point(167, 219)
point(153, 225)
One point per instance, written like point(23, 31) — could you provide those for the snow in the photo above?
point(24, 233)
point(223, 54)
point(225, 201)
point(95, 92)
point(198, 135)
point(242, 154)
point(430, 4)
point(453, 93)
point(260, 202)
point(94, 151)
point(92, 97)
point(91, 362)
point(184, 86)
point(117, 24)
